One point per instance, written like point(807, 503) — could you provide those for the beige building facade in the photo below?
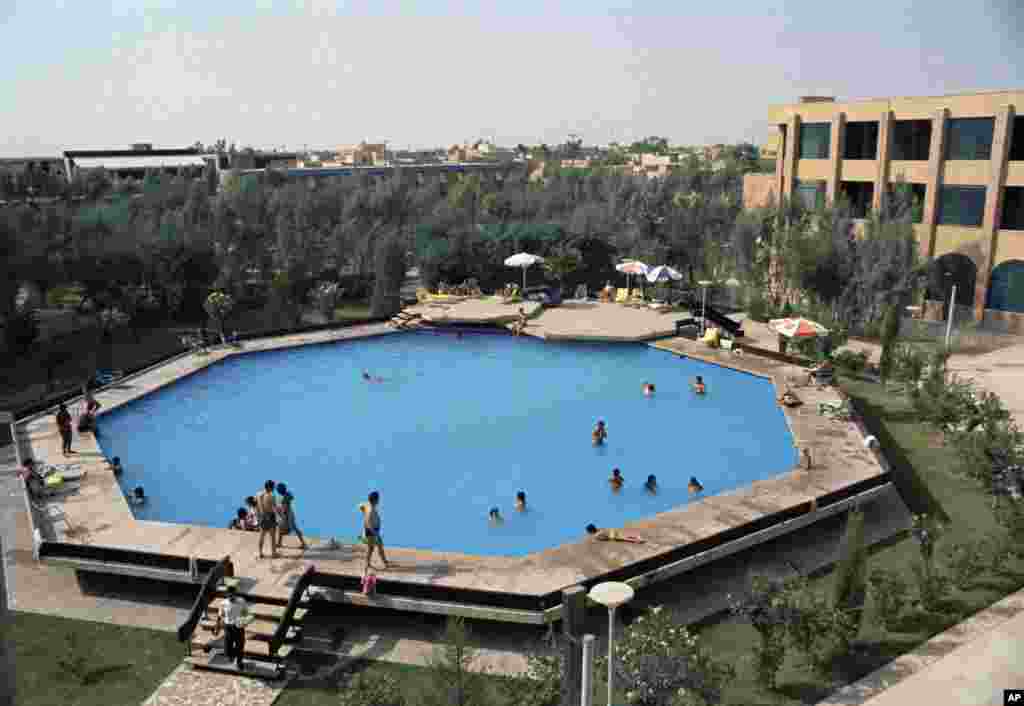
point(960, 156)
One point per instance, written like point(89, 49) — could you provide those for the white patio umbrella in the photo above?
point(663, 273)
point(524, 260)
point(630, 268)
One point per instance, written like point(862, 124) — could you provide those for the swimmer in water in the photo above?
point(694, 486)
point(648, 389)
point(600, 433)
point(521, 501)
point(698, 385)
point(651, 486)
point(495, 516)
point(371, 378)
point(616, 481)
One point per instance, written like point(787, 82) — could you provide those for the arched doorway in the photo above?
point(1006, 287)
point(948, 270)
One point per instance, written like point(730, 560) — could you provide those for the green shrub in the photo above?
point(849, 584)
point(888, 596)
point(966, 561)
point(372, 688)
point(758, 307)
point(539, 685)
point(21, 330)
point(932, 586)
point(852, 361)
point(1010, 515)
point(890, 331)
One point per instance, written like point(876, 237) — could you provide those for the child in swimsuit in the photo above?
point(698, 385)
point(495, 516)
point(694, 485)
point(521, 501)
point(616, 481)
point(651, 486)
point(600, 433)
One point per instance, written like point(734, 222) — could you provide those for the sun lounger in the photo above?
point(69, 472)
point(621, 296)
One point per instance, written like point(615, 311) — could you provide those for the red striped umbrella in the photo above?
point(798, 328)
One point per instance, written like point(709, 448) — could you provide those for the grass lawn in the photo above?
point(116, 665)
point(969, 515)
point(413, 681)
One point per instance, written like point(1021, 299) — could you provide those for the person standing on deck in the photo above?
point(371, 529)
point(64, 425)
point(267, 509)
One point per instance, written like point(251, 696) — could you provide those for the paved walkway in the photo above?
point(187, 687)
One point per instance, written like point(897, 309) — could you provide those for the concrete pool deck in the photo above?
point(571, 321)
point(98, 514)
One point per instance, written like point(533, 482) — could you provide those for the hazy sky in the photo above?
point(87, 74)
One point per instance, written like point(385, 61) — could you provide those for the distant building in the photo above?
point(363, 154)
point(136, 163)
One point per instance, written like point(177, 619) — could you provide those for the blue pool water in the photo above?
point(457, 426)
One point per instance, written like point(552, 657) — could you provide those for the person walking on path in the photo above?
point(267, 509)
point(287, 515)
point(64, 425)
point(371, 530)
point(234, 616)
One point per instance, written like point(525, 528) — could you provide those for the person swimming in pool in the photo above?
point(694, 486)
point(116, 467)
point(651, 486)
point(138, 496)
point(698, 385)
point(648, 389)
point(521, 501)
point(371, 378)
point(600, 433)
point(616, 481)
point(495, 516)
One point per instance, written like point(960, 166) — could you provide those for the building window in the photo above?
point(858, 196)
point(1006, 287)
point(811, 194)
point(904, 195)
point(961, 205)
point(1017, 140)
point(1013, 209)
point(814, 140)
point(911, 140)
point(970, 138)
point(861, 140)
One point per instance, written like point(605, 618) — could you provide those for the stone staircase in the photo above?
point(260, 659)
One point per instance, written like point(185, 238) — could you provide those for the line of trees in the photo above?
point(157, 247)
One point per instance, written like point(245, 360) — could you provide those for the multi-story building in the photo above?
point(363, 154)
point(962, 158)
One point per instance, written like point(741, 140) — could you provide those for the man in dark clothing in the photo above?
point(64, 425)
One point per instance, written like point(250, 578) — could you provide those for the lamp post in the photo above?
point(952, 305)
point(704, 305)
point(611, 594)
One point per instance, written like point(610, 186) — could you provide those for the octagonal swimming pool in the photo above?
point(455, 426)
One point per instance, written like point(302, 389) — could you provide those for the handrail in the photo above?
point(222, 568)
point(281, 633)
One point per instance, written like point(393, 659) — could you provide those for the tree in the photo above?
point(219, 306)
point(452, 683)
point(389, 275)
point(850, 581)
point(561, 266)
point(661, 662)
point(890, 332)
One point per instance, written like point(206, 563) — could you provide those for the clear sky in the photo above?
point(88, 74)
